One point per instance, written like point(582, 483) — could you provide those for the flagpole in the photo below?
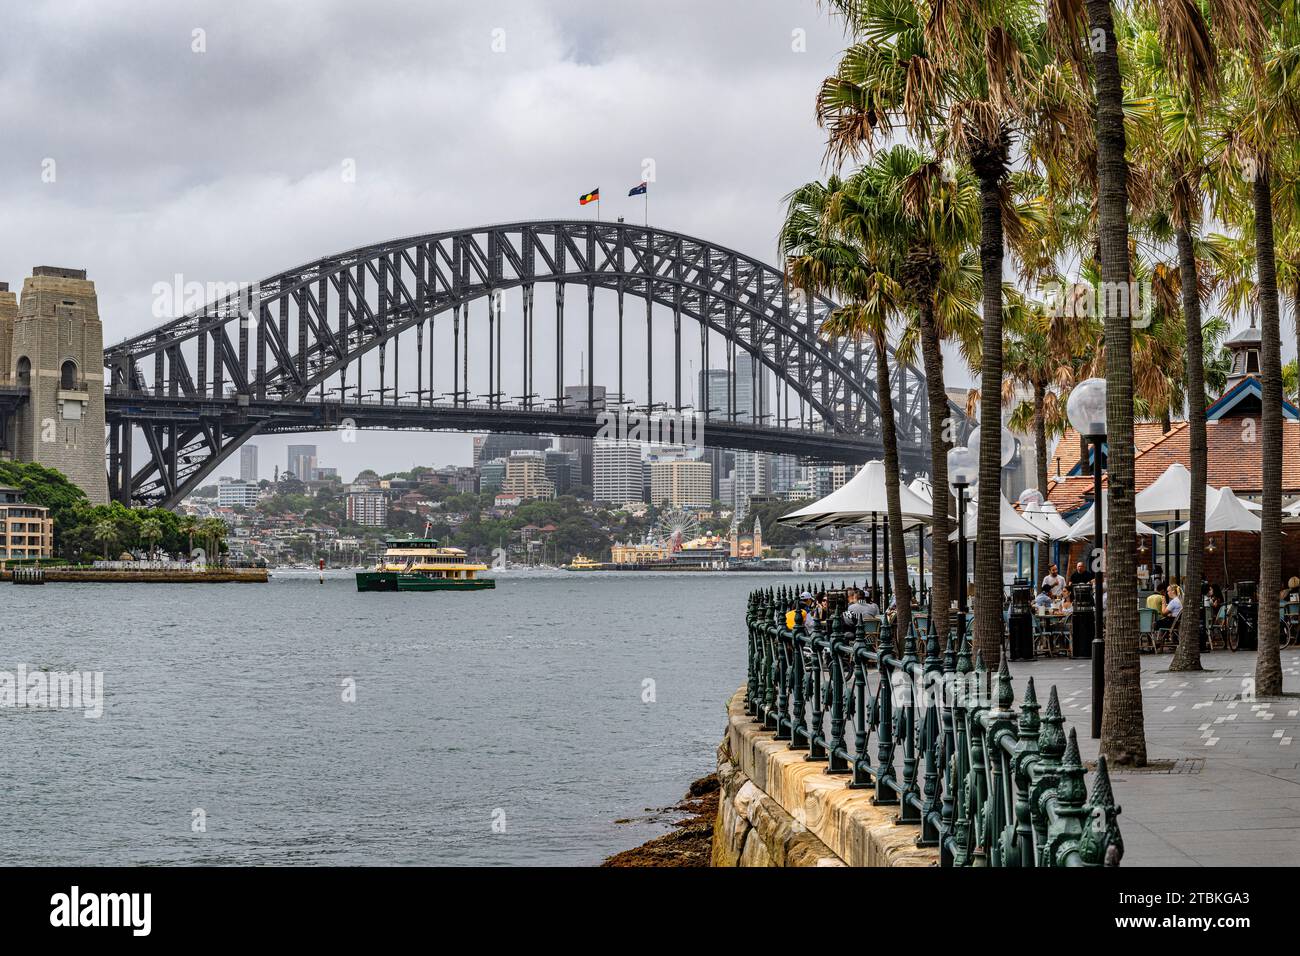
point(647, 206)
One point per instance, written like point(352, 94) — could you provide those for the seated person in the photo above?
point(1156, 602)
point(1172, 608)
point(1043, 600)
point(860, 609)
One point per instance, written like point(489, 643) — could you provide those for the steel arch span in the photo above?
point(291, 353)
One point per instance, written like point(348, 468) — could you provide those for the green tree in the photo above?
point(105, 533)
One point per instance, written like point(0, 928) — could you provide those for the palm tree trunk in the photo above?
point(1268, 662)
point(940, 423)
point(893, 497)
point(988, 543)
point(1123, 735)
point(1188, 655)
point(1040, 461)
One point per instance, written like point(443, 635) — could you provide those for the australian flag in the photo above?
point(638, 190)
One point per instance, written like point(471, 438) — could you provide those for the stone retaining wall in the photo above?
point(776, 809)
point(211, 576)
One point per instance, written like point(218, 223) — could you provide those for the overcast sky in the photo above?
point(151, 138)
point(226, 164)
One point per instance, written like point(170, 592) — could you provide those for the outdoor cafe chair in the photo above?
point(1213, 627)
point(1146, 628)
point(1289, 617)
point(1165, 633)
point(1228, 615)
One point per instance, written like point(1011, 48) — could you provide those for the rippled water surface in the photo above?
point(522, 705)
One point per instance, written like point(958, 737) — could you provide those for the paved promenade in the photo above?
point(1232, 795)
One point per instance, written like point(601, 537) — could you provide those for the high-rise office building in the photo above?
point(368, 508)
point(491, 474)
point(237, 494)
point(526, 476)
point(561, 469)
point(302, 462)
point(248, 463)
point(753, 478)
point(784, 474)
point(747, 404)
point(575, 399)
point(616, 472)
point(681, 483)
point(503, 446)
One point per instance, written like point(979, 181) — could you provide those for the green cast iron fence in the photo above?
point(933, 733)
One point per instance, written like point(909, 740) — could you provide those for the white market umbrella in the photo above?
point(861, 500)
point(1229, 514)
point(1085, 527)
point(1167, 495)
point(1170, 496)
point(1048, 520)
point(922, 488)
point(1212, 499)
point(1012, 526)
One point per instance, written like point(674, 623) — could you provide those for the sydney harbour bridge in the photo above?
point(458, 331)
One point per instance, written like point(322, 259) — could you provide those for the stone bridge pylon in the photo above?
point(52, 376)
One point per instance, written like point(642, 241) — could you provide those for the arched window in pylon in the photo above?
point(68, 376)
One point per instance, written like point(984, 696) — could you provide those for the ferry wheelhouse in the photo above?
point(419, 564)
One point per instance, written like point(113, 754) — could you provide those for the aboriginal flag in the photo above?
point(593, 196)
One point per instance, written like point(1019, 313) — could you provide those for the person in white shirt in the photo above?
point(1173, 607)
point(1054, 583)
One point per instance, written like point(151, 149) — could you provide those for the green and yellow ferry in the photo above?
point(419, 564)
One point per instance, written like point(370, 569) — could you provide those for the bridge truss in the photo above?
point(321, 346)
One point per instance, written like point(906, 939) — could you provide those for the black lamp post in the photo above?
point(963, 473)
point(1086, 410)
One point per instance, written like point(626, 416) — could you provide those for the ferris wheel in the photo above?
point(676, 527)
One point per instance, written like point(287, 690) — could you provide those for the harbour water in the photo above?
point(507, 726)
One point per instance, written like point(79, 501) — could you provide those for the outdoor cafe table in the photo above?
point(1054, 624)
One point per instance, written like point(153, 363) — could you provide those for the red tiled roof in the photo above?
point(1069, 494)
point(1234, 460)
point(1066, 454)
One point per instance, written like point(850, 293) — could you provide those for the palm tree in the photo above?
point(151, 532)
point(1170, 143)
point(1123, 737)
point(941, 281)
point(213, 532)
point(105, 532)
point(1044, 350)
point(188, 526)
point(841, 238)
point(967, 79)
point(1257, 126)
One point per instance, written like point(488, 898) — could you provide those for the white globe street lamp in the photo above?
point(1086, 409)
point(1007, 451)
point(963, 473)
